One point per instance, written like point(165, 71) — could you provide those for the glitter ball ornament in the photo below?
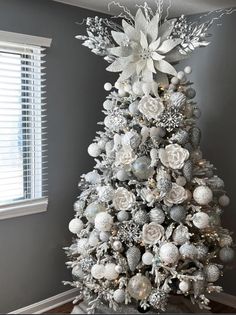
point(117, 245)
point(212, 273)
point(225, 240)
point(133, 255)
point(141, 217)
point(103, 222)
point(110, 272)
point(105, 193)
point(177, 99)
point(141, 167)
point(203, 195)
point(147, 258)
point(76, 226)
point(169, 253)
point(92, 210)
point(97, 271)
point(188, 251)
point(108, 105)
point(94, 150)
point(104, 236)
point(224, 201)
point(181, 235)
point(226, 254)
point(201, 220)
point(119, 296)
point(184, 286)
point(157, 215)
point(178, 213)
point(202, 251)
point(79, 206)
point(139, 287)
point(82, 245)
point(122, 216)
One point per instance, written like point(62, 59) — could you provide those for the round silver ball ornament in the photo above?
point(141, 217)
point(190, 93)
point(104, 236)
point(226, 254)
point(141, 168)
point(118, 269)
point(119, 296)
point(224, 201)
point(201, 220)
point(178, 213)
point(212, 273)
point(107, 86)
point(97, 271)
point(169, 253)
point(122, 175)
point(188, 70)
point(157, 215)
point(202, 195)
point(122, 216)
point(79, 206)
point(181, 181)
point(139, 287)
point(188, 251)
point(108, 105)
point(181, 235)
point(202, 251)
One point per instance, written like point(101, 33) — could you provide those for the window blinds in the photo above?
point(23, 141)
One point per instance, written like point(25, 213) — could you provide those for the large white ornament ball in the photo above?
point(212, 273)
point(110, 272)
point(157, 215)
point(104, 236)
point(188, 251)
point(139, 287)
point(147, 258)
point(180, 235)
point(76, 226)
point(119, 296)
point(108, 105)
point(122, 216)
point(94, 150)
point(103, 222)
point(226, 254)
point(188, 70)
point(92, 177)
point(92, 210)
point(169, 253)
point(82, 246)
point(224, 201)
point(93, 239)
point(97, 271)
point(107, 86)
point(202, 195)
point(184, 286)
point(201, 220)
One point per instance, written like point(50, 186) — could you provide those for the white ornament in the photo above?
point(92, 177)
point(188, 251)
point(97, 271)
point(212, 273)
point(202, 195)
point(151, 107)
point(188, 70)
point(119, 296)
point(184, 286)
point(178, 213)
point(93, 239)
point(82, 246)
point(181, 235)
point(121, 92)
point(117, 245)
point(118, 269)
point(78, 272)
point(142, 168)
point(108, 105)
point(133, 108)
point(181, 181)
point(152, 233)
point(169, 253)
point(224, 201)
point(157, 215)
point(202, 251)
point(173, 156)
point(105, 193)
point(104, 236)
point(123, 199)
point(180, 75)
point(175, 81)
point(226, 254)
point(92, 210)
point(110, 272)
point(201, 220)
point(94, 150)
point(76, 226)
point(225, 240)
point(147, 258)
point(107, 86)
point(103, 222)
point(122, 175)
point(79, 206)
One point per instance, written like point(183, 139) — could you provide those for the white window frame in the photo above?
point(32, 206)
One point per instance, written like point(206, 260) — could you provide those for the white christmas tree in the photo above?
point(147, 222)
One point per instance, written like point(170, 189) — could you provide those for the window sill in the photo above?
point(23, 208)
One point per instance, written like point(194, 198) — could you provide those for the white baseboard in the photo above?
point(48, 304)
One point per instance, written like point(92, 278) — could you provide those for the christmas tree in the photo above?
point(147, 222)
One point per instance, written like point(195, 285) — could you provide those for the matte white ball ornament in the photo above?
point(139, 287)
point(107, 86)
point(184, 286)
point(122, 175)
point(203, 195)
point(92, 210)
point(188, 70)
point(147, 258)
point(76, 226)
point(201, 220)
point(212, 273)
point(224, 200)
point(175, 80)
point(119, 296)
point(108, 105)
point(103, 222)
point(110, 272)
point(94, 150)
point(226, 254)
point(121, 92)
point(97, 271)
point(169, 253)
point(188, 251)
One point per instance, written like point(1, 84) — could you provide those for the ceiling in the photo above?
point(178, 6)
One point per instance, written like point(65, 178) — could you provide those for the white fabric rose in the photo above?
point(123, 199)
point(173, 156)
point(176, 195)
point(151, 107)
point(125, 156)
point(152, 233)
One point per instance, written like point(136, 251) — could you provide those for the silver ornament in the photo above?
point(190, 93)
point(117, 245)
point(226, 254)
point(141, 217)
point(224, 201)
point(181, 181)
point(104, 236)
point(178, 213)
point(181, 235)
point(212, 273)
point(202, 251)
point(188, 251)
point(225, 240)
point(122, 216)
point(181, 137)
point(169, 253)
point(119, 296)
point(202, 195)
point(157, 215)
point(188, 170)
point(201, 220)
point(133, 255)
point(92, 210)
point(177, 99)
point(195, 137)
point(79, 206)
point(133, 108)
point(141, 168)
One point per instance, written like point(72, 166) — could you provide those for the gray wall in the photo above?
point(32, 262)
point(31, 256)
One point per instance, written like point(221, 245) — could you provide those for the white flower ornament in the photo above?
point(143, 49)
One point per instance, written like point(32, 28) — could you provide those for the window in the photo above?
point(23, 134)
